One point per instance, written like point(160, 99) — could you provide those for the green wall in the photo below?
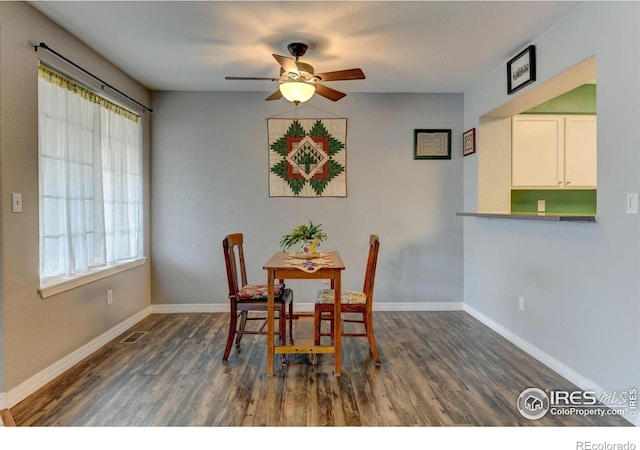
point(559, 201)
point(581, 100)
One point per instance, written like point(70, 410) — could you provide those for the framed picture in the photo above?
point(432, 144)
point(521, 69)
point(469, 142)
point(307, 157)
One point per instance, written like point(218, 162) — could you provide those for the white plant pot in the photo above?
point(308, 247)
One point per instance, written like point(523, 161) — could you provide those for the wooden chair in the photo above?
point(245, 298)
point(352, 302)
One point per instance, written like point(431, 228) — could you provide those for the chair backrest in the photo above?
point(370, 274)
point(232, 245)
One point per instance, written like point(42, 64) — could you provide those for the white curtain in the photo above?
point(90, 180)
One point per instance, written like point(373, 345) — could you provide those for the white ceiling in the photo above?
point(414, 46)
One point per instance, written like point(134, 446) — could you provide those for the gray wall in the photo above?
point(581, 282)
point(210, 175)
point(37, 333)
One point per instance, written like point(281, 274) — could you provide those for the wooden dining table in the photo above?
point(286, 265)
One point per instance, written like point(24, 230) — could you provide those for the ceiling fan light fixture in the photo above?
point(297, 91)
point(298, 81)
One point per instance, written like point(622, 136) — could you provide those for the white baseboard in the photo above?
point(529, 348)
point(190, 308)
point(418, 306)
point(28, 387)
point(546, 359)
point(308, 307)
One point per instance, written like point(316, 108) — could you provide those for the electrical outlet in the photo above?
point(16, 202)
point(521, 303)
point(109, 297)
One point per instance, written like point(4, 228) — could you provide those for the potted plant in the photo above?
point(308, 236)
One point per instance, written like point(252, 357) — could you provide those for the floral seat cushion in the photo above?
point(258, 291)
point(347, 297)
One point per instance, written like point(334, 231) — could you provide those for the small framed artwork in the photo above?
point(469, 142)
point(521, 69)
point(432, 144)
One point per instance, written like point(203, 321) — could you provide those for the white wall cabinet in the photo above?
point(580, 151)
point(554, 151)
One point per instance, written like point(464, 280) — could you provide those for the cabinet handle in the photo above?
point(559, 183)
point(567, 182)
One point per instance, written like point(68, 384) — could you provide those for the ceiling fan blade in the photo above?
point(251, 78)
point(288, 64)
point(329, 93)
point(275, 96)
point(349, 74)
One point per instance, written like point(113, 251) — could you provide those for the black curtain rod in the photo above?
point(104, 83)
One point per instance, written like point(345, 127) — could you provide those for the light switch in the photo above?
point(632, 203)
point(16, 202)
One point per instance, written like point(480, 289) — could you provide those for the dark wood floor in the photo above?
point(438, 369)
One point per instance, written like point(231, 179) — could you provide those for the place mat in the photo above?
point(309, 264)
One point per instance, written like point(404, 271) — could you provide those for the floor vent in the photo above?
point(133, 337)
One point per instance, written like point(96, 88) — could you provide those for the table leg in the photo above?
point(270, 323)
point(337, 324)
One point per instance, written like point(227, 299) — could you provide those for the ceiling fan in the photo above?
point(298, 81)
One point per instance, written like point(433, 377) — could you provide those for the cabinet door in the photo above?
point(537, 149)
point(580, 152)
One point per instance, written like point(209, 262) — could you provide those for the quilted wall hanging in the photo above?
point(307, 157)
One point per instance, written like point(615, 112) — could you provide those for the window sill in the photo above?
point(59, 286)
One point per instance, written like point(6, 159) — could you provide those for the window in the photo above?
point(90, 181)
